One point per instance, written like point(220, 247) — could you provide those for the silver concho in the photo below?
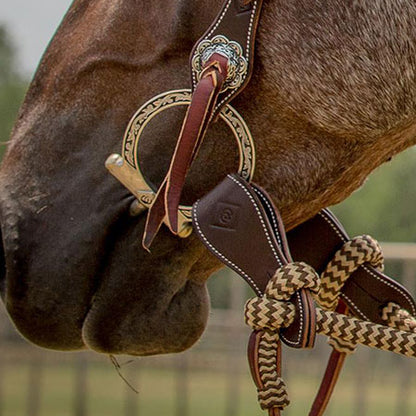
point(237, 67)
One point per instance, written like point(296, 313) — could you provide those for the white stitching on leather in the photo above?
point(209, 34)
point(249, 35)
point(272, 214)
point(397, 289)
point(333, 226)
point(259, 193)
point(301, 323)
point(219, 20)
point(266, 232)
point(276, 256)
point(238, 269)
point(225, 259)
point(247, 51)
point(360, 313)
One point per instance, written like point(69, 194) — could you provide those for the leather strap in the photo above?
point(166, 202)
point(224, 218)
point(237, 21)
point(234, 28)
point(331, 375)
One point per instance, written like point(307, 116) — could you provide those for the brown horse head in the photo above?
point(332, 97)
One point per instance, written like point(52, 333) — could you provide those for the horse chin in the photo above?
point(158, 304)
point(62, 293)
point(124, 324)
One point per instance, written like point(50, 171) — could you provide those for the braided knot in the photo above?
point(350, 257)
point(273, 392)
point(273, 310)
point(268, 314)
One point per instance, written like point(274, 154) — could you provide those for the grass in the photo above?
point(204, 392)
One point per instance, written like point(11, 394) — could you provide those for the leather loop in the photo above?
point(198, 116)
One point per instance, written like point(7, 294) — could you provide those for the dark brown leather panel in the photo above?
point(233, 224)
point(367, 291)
point(230, 221)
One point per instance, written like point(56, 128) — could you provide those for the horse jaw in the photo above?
point(76, 273)
point(77, 276)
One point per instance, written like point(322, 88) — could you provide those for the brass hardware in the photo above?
point(136, 208)
point(126, 167)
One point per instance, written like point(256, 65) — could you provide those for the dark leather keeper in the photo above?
point(367, 291)
point(233, 224)
point(238, 22)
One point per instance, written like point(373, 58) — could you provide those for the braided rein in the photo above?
point(270, 313)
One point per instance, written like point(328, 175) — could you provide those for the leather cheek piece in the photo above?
point(233, 224)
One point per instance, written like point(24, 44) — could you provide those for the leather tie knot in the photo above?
point(267, 314)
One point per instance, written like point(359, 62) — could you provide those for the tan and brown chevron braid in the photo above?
point(263, 313)
point(289, 279)
point(350, 257)
point(269, 313)
point(366, 333)
point(274, 310)
point(274, 391)
point(341, 345)
point(399, 318)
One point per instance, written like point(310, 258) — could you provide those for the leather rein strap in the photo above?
point(221, 66)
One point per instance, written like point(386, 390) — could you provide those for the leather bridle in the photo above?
point(237, 217)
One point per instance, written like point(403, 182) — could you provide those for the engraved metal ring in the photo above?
point(126, 167)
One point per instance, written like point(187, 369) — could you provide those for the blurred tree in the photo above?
point(12, 87)
point(385, 206)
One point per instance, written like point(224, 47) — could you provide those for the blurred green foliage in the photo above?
point(385, 206)
point(12, 87)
